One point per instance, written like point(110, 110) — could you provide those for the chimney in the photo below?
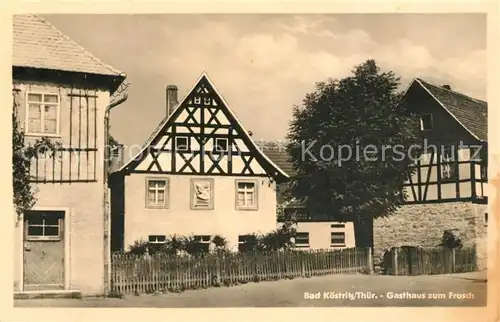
point(172, 102)
point(448, 87)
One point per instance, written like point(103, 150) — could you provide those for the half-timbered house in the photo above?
point(199, 173)
point(453, 165)
point(447, 190)
point(62, 92)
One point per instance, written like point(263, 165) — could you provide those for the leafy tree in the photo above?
point(22, 156)
point(362, 110)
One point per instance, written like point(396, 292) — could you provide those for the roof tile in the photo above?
point(471, 112)
point(38, 44)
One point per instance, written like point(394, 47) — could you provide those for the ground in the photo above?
point(291, 293)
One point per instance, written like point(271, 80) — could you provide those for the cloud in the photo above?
point(263, 67)
point(263, 74)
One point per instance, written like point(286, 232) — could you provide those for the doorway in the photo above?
point(43, 250)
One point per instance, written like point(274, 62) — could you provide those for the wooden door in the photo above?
point(43, 250)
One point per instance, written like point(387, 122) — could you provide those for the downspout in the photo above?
point(107, 206)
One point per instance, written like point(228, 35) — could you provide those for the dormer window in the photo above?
point(426, 122)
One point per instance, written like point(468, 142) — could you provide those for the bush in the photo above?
point(449, 240)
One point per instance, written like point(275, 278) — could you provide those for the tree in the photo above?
point(22, 155)
point(362, 113)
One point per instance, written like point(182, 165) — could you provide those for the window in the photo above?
point(246, 243)
point(202, 194)
point(448, 164)
point(484, 174)
point(486, 219)
point(337, 239)
point(157, 239)
point(156, 193)
point(221, 145)
point(426, 122)
point(43, 225)
point(181, 143)
point(115, 151)
point(42, 114)
point(302, 240)
point(204, 241)
point(246, 195)
point(337, 226)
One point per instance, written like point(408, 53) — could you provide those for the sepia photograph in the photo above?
point(250, 160)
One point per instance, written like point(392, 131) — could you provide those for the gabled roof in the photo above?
point(471, 113)
point(38, 44)
point(276, 151)
point(169, 119)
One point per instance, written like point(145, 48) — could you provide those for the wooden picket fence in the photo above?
point(429, 261)
point(146, 274)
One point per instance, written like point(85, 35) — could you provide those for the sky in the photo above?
point(265, 64)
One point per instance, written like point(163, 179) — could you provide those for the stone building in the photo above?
point(447, 190)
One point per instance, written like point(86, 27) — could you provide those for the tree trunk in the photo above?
point(363, 231)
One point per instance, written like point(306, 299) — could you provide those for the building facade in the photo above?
point(447, 190)
point(61, 92)
point(199, 174)
point(318, 231)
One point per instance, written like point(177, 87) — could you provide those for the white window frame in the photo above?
point(42, 103)
point(44, 225)
point(302, 245)
point(332, 244)
point(216, 145)
point(165, 205)
point(447, 165)
point(255, 206)
point(115, 151)
point(422, 122)
point(156, 239)
point(186, 147)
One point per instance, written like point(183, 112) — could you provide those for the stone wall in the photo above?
point(424, 225)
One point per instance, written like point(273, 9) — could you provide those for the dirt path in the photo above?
point(331, 291)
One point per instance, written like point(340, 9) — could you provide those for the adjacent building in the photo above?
point(313, 231)
point(62, 92)
point(199, 174)
point(447, 190)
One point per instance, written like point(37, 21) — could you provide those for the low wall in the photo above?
point(424, 225)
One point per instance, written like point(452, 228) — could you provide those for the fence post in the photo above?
point(302, 266)
point(218, 269)
point(370, 260)
point(453, 260)
point(395, 262)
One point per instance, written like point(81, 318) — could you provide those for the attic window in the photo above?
point(426, 122)
point(221, 144)
point(182, 143)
